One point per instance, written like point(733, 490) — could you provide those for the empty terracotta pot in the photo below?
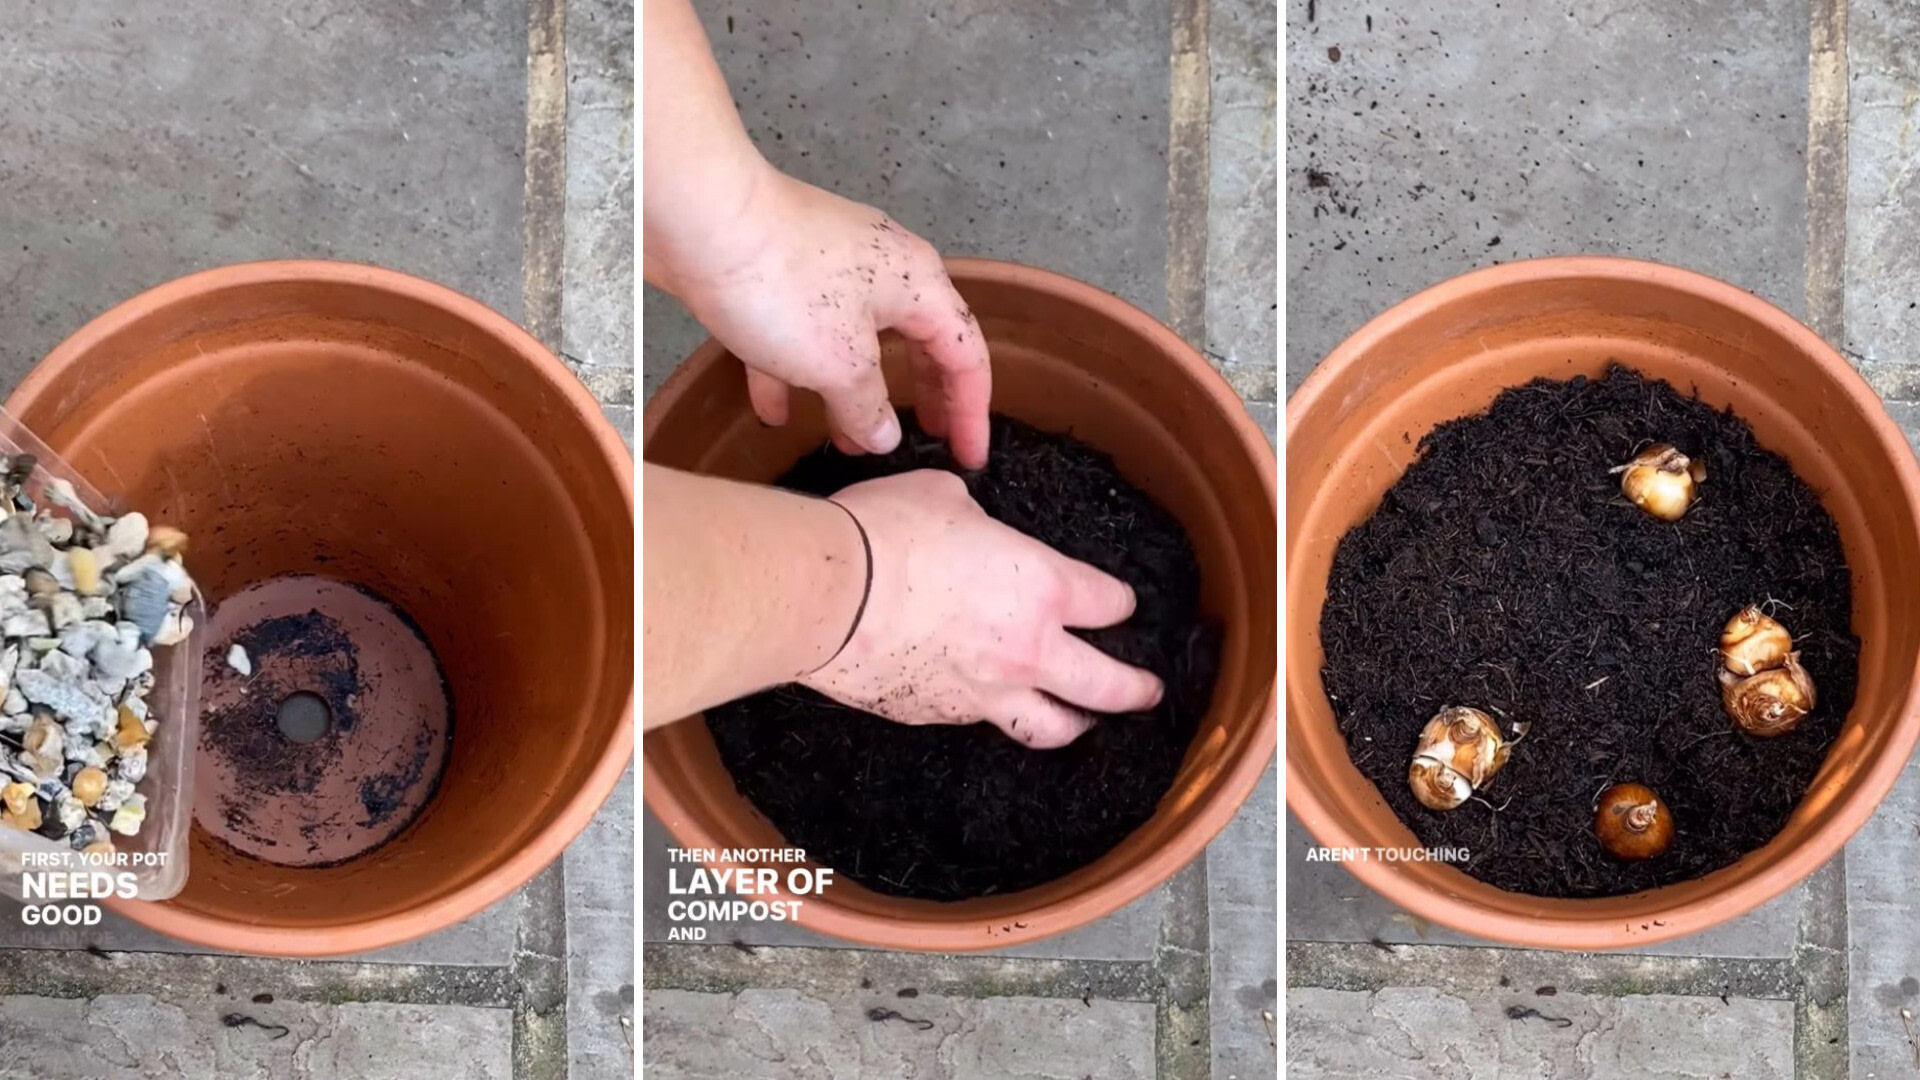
point(428, 524)
point(1354, 426)
point(1066, 357)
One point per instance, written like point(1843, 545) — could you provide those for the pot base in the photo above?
point(335, 741)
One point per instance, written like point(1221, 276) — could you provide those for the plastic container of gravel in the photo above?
point(156, 856)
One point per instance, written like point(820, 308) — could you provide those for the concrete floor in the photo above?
point(1130, 145)
point(1769, 144)
point(484, 145)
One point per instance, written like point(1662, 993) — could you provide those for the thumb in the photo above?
point(857, 405)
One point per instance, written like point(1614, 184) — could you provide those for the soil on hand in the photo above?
point(952, 812)
point(1505, 571)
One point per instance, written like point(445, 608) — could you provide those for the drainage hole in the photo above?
point(304, 717)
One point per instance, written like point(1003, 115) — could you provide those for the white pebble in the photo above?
point(126, 820)
point(27, 624)
point(127, 537)
point(238, 660)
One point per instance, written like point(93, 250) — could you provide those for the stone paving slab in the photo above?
point(1128, 934)
point(1326, 903)
point(1883, 968)
point(1242, 896)
point(1241, 205)
point(777, 1034)
point(1426, 141)
point(600, 944)
point(1414, 1033)
point(485, 939)
point(1883, 187)
point(597, 279)
point(1019, 131)
point(148, 141)
point(136, 1037)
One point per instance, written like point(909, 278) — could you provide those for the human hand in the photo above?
point(967, 619)
point(799, 284)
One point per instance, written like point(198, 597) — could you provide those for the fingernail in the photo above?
point(887, 435)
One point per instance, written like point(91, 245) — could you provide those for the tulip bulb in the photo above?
point(1662, 481)
point(1772, 702)
point(1753, 642)
point(1460, 749)
point(1632, 823)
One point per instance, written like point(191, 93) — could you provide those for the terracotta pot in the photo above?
point(1353, 427)
point(1066, 357)
point(313, 418)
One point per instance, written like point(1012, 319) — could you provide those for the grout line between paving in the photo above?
point(1182, 964)
point(1821, 1046)
point(83, 974)
point(543, 226)
point(539, 973)
point(1827, 171)
point(729, 969)
point(1189, 111)
point(1181, 967)
point(539, 970)
point(1821, 1042)
point(1183, 971)
point(1469, 968)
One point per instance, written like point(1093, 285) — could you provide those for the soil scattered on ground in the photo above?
point(950, 812)
point(1506, 572)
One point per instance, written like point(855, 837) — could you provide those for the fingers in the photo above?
point(857, 406)
point(1079, 674)
point(1090, 598)
point(769, 397)
point(951, 369)
point(1039, 721)
point(772, 404)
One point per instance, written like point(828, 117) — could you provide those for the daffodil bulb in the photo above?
point(1460, 749)
point(1632, 823)
point(1662, 481)
point(1772, 702)
point(1753, 642)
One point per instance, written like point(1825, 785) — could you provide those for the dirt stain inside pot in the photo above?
point(1505, 571)
point(952, 812)
point(335, 740)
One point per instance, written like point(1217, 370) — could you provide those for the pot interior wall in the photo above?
point(1452, 360)
point(1062, 367)
point(378, 440)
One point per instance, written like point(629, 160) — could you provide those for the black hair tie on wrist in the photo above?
point(866, 591)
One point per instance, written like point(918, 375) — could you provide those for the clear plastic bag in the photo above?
point(158, 853)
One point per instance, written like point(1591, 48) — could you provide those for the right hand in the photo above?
point(967, 620)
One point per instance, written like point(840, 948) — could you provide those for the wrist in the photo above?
point(866, 588)
point(841, 564)
point(723, 221)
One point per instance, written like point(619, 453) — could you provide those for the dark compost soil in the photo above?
point(951, 812)
point(1505, 571)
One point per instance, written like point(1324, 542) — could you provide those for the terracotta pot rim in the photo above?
point(577, 808)
point(933, 932)
point(1568, 925)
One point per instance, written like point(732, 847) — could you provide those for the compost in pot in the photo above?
point(952, 812)
point(1510, 571)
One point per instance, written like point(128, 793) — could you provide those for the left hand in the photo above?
point(799, 285)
